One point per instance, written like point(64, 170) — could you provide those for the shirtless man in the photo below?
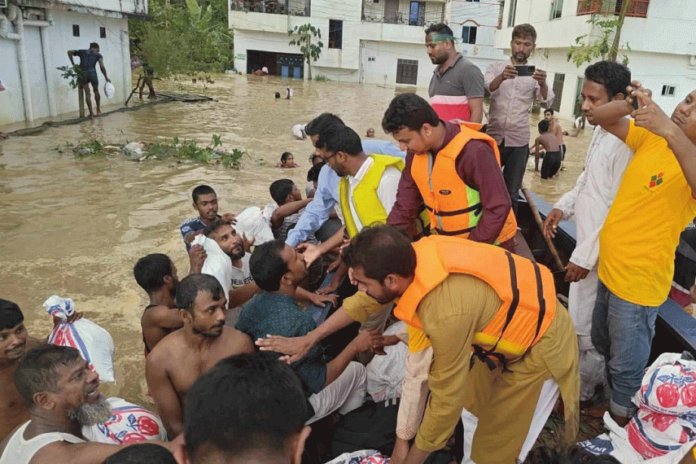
point(552, 159)
point(184, 355)
point(14, 342)
point(156, 274)
point(63, 396)
point(556, 129)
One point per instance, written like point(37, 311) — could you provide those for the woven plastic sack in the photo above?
point(109, 90)
point(93, 342)
point(217, 263)
point(128, 424)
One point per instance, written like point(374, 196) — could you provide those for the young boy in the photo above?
point(206, 204)
point(290, 205)
point(552, 159)
point(640, 235)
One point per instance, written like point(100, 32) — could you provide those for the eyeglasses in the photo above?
point(328, 158)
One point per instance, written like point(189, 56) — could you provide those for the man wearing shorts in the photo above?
point(88, 75)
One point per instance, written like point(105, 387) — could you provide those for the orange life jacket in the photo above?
point(525, 287)
point(454, 207)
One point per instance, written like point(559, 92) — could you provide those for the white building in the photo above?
point(35, 36)
point(366, 41)
point(661, 35)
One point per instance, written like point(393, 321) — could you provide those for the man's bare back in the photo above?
point(174, 365)
point(13, 408)
point(158, 322)
point(548, 141)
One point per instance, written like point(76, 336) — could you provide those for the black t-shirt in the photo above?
point(88, 60)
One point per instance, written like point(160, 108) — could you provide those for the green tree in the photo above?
point(310, 51)
point(604, 43)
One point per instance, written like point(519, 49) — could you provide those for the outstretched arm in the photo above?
point(281, 212)
point(612, 117)
point(71, 54)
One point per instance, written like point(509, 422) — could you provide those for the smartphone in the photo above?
point(525, 70)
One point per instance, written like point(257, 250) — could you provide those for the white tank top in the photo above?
point(20, 451)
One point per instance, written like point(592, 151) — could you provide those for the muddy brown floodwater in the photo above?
point(75, 227)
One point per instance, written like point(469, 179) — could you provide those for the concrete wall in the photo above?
point(114, 48)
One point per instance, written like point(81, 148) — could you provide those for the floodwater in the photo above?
point(75, 227)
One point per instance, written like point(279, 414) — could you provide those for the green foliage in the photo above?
point(597, 44)
point(71, 74)
point(183, 38)
point(216, 141)
point(310, 51)
point(321, 78)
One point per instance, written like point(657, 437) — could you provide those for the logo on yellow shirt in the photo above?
point(656, 180)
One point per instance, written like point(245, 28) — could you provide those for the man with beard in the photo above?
point(512, 96)
point(182, 356)
point(156, 274)
point(63, 394)
point(498, 335)
point(338, 385)
point(456, 89)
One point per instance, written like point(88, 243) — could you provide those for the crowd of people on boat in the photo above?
point(270, 338)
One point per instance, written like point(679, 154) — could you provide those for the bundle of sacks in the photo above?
point(129, 423)
point(663, 429)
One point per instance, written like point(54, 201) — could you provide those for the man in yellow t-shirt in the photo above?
point(640, 235)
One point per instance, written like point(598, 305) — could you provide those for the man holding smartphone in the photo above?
point(514, 85)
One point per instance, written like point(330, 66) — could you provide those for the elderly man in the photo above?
point(513, 90)
point(64, 396)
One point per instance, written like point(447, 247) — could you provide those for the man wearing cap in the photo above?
point(456, 89)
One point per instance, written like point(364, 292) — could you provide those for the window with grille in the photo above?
point(335, 34)
point(407, 72)
point(558, 81)
point(469, 34)
point(668, 90)
point(102, 32)
point(76, 30)
point(511, 13)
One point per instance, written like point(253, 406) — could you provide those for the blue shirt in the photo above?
point(326, 196)
point(278, 314)
point(192, 225)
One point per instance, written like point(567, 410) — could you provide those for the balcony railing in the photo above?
point(402, 18)
point(284, 7)
point(636, 8)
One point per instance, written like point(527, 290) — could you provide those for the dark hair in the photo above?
point(339, 137)
point(313, 156)
point(10, 314)
point(524, 30)
point(318, 124)
point(280, 190)
point(37, 369)
point(313, 173)
point(256, 401)
point(94, 45)
point(408, 110)
point(202, 190)
point(277, 94)
point(548, 110)
point(543, 125)
point(188, 290)
point(267, 266)
point(151, 270)
point(440, 28)
point(284, 156)
point(142, 453)
point(213, 227)
point(380, 251)
point(615, 77)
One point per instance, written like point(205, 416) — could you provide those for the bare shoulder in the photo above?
point(164, 352)
point(238, 342)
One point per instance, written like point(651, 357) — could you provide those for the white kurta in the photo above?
point(589, 201)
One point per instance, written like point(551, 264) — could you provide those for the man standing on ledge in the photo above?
point(511, 98)
point(456, 89)
point(88, 66)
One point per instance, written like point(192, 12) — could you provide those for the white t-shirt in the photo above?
point(242, 276)
point(20, 451)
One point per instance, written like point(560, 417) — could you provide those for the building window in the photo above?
point(416, 16)
point(102, 32)
point(407, 72)
point(558, 81)
point(335, 34)
point(469, 34)
point(511, 13)
point(668, 90)
point(636, 8)
point(477, 1)
point(76, 30)
point(556, 9)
